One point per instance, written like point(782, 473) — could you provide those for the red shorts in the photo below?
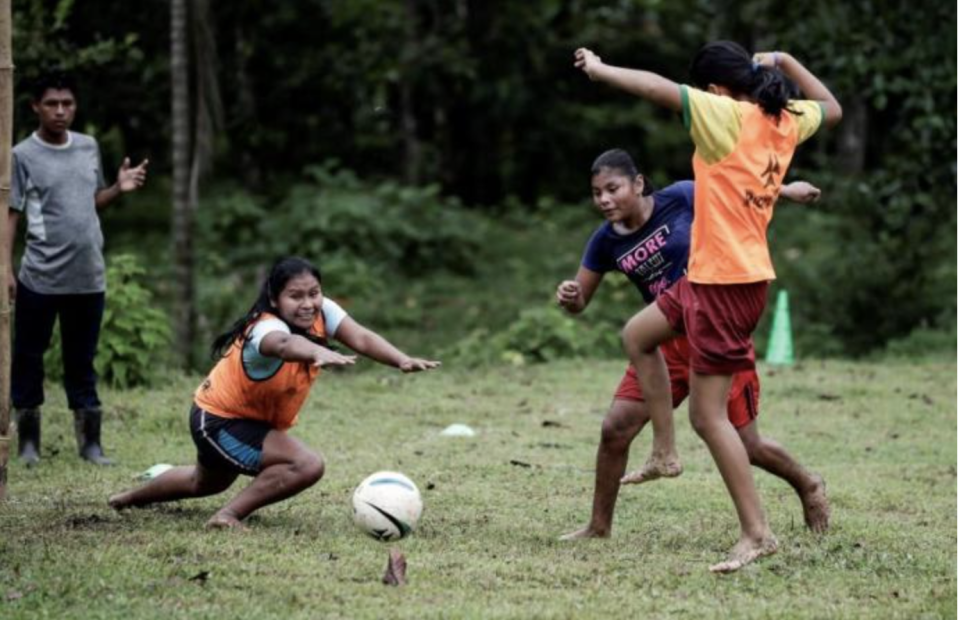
point(743, 404)
point(718, 320)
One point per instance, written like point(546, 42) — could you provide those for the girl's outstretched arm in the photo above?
point(644, 84)
point(371, 344)
point(294, 348)
point(809, 84)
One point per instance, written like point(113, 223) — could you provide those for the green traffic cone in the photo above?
point(780, 345)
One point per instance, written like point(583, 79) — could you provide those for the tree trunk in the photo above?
point(6, 137)
point(412, 149)
point(852, 154)
point(245, 110)
point(183, 209)
point(207, 107)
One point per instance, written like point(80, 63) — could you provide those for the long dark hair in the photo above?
point(728, 64)
point(620, 161)
point(284, 270)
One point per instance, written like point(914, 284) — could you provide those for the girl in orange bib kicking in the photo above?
point(268, 361)
point(746, 129)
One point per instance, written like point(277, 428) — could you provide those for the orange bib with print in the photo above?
point(734, 200)
point(230, 392)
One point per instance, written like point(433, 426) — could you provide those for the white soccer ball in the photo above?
point(387, 506)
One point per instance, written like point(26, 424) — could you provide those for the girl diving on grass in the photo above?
point(266, 364)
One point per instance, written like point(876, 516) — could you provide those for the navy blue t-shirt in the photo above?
point(655, 256)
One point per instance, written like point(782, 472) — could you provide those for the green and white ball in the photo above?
point(387, 506)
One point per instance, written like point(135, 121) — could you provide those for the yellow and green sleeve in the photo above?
point(713, 122)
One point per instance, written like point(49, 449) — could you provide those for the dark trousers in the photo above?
point(34, 317)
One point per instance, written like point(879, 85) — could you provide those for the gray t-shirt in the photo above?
point(55, 185)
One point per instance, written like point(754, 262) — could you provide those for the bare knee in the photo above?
point(635, 342)
point(704, 424)
point(622, 424)
point(308, 469)
point(699, 423)
point(614, 434)
point(645, 330)
point(765, 452)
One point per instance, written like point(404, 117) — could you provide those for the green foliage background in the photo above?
point(423, 153)
point(135, 339)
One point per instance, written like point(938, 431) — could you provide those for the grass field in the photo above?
point(884, 435)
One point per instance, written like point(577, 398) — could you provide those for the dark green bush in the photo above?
point(332, 213)
point(363, 236)
point(135, 335)
point(924, 343)
point(542, 333)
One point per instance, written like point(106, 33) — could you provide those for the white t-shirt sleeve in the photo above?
point(263, 328)
point(258, 366)
point(333, 315)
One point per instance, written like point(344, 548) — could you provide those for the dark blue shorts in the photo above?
point(231, 444)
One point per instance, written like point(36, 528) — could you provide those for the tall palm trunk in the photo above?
point(6, 137)
point(197, 117)
point(412, 149)
point(183, 203)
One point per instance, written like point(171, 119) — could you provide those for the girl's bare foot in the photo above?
point(224, 520)
point(396, 574)
point(655, 467)
point(816, 507)
point(587, 532)
point(119, 501)
point(745, 552)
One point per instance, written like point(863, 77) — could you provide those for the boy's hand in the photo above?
point(325, 357)
point(587, 61)
point(129, 179)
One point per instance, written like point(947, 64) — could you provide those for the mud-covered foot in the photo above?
point(586, 532)
point(396, 574)
point(745, 552)
point(816, 506)
point(654, 468)
point(225, 521)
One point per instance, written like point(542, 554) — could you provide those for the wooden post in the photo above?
point(6, 138)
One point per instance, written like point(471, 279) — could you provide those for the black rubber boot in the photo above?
point(28, 436)
point(86, 424)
